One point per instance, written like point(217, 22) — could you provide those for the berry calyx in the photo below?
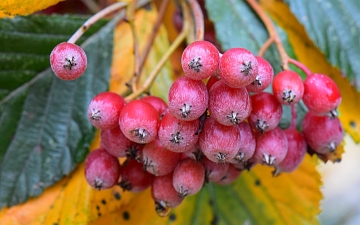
point(68, 61)
point(263, 78)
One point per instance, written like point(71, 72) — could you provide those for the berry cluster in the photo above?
point(207, 132)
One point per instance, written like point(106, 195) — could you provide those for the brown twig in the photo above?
point(265, 46)
point(179, 39)
point(198, 18)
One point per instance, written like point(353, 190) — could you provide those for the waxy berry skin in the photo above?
point(321, 95)
point(263, 78)
point(104, 110)
point(200, 60)
point(288, 87)
point(322, 133)
point(139, 121)
point(266, 112)
point(238, 67)
point(188, 98)
point(102, 170)
point(68, 61)
point(229, 106)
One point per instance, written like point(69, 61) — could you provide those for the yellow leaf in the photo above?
point(309, 54)
point(10, 8)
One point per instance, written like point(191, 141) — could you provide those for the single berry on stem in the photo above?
point(68, 61)
point(263, 78)
point(133, 177)
point(200, 60)
point(288, 87)
point(104, 110)
point(102, 170)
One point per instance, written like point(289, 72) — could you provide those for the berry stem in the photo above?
point(179, 39)
point(144, 55)
point(198, 18)
point(131, 20)
point(293, 117)
point(300, 66)
point(265, 46)
point(273, 34)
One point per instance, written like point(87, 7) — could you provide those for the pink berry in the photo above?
point(188, 177)
point(200, 60)
point(321, 95)
point(68, 61)
point(218, 142)
point(288, 87)
point(164, 194)
point(296, 152)
point(266, 112)
point(247, 144)
point(104, 110)
point(238, 67)
point(271, 147)
point(227, 105)
point(158, 160)
point(102, 170)
point(139, 121)
point(115, 142)
point(133, 176)
point(322, 133)
point(231, 175)
point(188, 98)
point(263, 78)
point(214, 171)
point(158, 103)
point(177, 135)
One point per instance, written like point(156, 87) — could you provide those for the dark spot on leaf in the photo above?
point(147, 7)
point(172, 217)
point(117, 196)
point(257, 183)
point(103, 202)
point(98, 207)
point(352, 124)
point(126, 215)
point(211, 202)
point(55, 224)
point(215, 220)
point(99, 214)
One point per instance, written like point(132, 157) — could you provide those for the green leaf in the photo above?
point(44, 130)
point(334, 27)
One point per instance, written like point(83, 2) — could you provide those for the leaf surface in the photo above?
point(20, 7)
point(42, 117)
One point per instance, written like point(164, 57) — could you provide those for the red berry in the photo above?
point(188, 98)
point(139, 121)
point(321, 95)
point(133, 176)
point(158, 160)
point(266, 112)
point(115, 142)
point(288, 87)
point(247, 144)
point(188, 177)
point(218, 142)
point(238, 67)
point(296, 151)
point(271, 147)
point(227, 105)
point(177, 135)
point(200, 60)
point(68, 61)
point(102, 170)
point(214, 171)
point(158, 103)
point(164, 194)
point(322, 133)
point(231, 175)
point(104, 110)
point(263, 78)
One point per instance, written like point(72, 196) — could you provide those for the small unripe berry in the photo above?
point(68, 61)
